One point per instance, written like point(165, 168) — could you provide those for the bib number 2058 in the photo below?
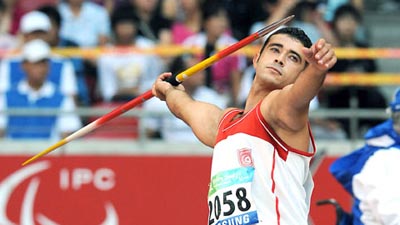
point(231, 208)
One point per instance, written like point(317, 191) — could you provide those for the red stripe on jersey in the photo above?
point(273, 190)
point(254, 124)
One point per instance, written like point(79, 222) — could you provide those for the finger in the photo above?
point(325, 53)
point(320, 44)
point(165, 76)
point(308, 53)
point(328, 55)
point(330, 63)
point(322, 52)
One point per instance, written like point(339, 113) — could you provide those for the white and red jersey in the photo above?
point(256, 178)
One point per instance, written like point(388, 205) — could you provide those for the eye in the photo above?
point(274, 49)
point(294, 58)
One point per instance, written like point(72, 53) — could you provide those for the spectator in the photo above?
point(84, 22)
point(55, 40)
point(8, 41)
point(171, 9)
point(124, 76)
point(225, 75)
point(241, 15)
point(345, 23)
point(152, 24)
point(274, 11)
point(309, 18)
point(332, 5)
point(87, 24)
point(370, 173)
point(10, 17)
point(191, 22)
point(36, 91)
point(166, 125)
point(36, 25)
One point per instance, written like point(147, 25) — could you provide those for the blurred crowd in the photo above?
point(36, 77)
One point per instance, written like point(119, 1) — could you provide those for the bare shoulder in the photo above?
point(275, 98)
point(276, 105)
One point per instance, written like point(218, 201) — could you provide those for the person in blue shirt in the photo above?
point(370, 173)
point(36, 91)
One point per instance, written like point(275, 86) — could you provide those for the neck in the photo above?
point(75, 8)
point(193, 20)
point(144, 15)
point(212, 39)
point(35, 85)
point(255, 96)
point(125, 42)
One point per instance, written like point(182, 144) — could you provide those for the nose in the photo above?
point(279, 61)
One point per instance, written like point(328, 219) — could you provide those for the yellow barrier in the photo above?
point(172, 50)
point(362, 79)
point(333, 79)
point(367, 53)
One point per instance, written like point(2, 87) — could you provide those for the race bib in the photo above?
point(230, 199)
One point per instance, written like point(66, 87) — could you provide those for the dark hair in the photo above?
point(2, 6)
point(301, 9)
point(347, 10)
point(212, 8)
point(52, 12)
point(178, 63)
point(123, 14)
point(293, 32)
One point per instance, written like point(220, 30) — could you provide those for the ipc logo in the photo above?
point(103, 179)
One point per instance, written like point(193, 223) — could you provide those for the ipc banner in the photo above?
point(104, 190)
point(124, 190)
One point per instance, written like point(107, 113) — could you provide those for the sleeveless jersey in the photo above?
point(256, 178)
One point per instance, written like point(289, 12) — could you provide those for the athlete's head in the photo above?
point(293, 32)
point(281, 59)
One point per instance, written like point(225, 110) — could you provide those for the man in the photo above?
point(370, 174)
point(54, 38)
point(84, 22)
point(35, 91)
point(260, 170)
point(124, 76)
point(36, 25)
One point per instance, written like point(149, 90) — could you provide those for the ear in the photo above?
point(255, 59)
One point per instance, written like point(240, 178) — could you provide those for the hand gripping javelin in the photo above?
point(174, 80)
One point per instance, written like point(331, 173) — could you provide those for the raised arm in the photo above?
point(287, 108)
point(202, 117)
point(320, 57)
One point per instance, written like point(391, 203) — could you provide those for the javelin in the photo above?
point(174, 80)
